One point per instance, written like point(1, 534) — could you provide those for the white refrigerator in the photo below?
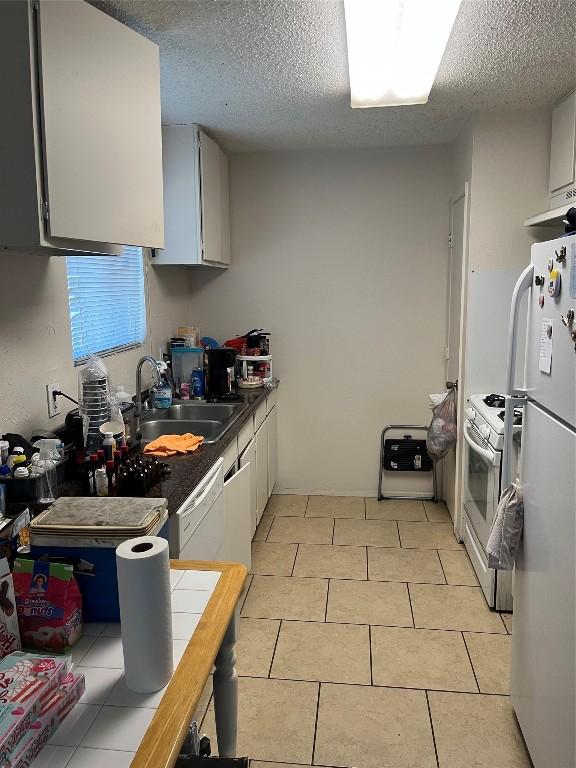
point(543, 678)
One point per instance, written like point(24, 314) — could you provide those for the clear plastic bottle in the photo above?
point(47, 478)
point(101, 482)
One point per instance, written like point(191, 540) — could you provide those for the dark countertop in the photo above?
point(187, 471)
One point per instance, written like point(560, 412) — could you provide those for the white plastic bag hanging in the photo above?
point(442, 432)
point(506, 529)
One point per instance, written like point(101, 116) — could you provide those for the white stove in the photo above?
point(484, 440)
point(486, 412)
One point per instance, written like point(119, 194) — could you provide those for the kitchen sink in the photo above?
point(188, 411)
point(210, 420)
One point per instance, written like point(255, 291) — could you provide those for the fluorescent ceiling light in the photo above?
point(395, 48)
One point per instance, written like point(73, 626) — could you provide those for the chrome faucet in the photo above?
point(139, 409)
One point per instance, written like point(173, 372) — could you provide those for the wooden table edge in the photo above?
point(161, 744)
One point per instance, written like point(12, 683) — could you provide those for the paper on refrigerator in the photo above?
point(546, 335)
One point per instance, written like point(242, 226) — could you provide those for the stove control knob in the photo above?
point(471, 413)
point(484, 431)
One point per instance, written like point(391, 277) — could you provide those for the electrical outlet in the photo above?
point(53, 402)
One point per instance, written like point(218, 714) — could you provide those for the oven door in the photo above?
point(481, 481)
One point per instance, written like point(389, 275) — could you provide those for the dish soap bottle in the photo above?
point(163, 391)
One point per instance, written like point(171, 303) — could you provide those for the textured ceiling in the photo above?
point(272, 74)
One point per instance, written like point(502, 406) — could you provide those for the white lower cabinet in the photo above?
point(272, 421)
point(261, 439)
point(248, 459)
point(237, 516)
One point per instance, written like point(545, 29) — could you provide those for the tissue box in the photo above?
point(26, 680)
point(9, 632)
point(52, 712)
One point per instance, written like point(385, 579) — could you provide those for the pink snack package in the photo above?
point(49, 605)
point(52, 712)
point(26, 680)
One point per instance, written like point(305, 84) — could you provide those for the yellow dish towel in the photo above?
point(171, 445)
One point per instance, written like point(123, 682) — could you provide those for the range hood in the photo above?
point(552, 218)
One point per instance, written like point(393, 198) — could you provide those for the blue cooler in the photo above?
point(87, 531)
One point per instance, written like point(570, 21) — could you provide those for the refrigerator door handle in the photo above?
point(523, 283)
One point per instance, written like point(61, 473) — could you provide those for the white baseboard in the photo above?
point(369, 494)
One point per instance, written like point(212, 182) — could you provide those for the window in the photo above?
point(107, 302)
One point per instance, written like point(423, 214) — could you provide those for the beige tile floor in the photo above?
point(365, 642)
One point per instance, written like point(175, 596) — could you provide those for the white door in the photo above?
point(248, 458)
point(454, 336)
point(543, 642)
point(272, 420)
point(100, 89)
point(261, 439)
point(237, 517)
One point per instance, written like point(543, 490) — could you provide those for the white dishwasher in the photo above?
point(197, 529)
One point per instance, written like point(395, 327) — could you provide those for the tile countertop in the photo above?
point(109, 722)
point(187, 471)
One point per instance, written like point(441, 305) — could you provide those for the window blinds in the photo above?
point(107, 301)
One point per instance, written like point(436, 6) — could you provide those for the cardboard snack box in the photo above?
point(9, 631)
point(53, 711)
point(26, 680)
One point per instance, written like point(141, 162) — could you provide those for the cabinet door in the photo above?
point(211, 197)
point(181, 169)
point(261, 469)
point(237, 516)
point(272, 421)
point(248, 459)
point(563, 143)
point(100, 101)
point(224, 209)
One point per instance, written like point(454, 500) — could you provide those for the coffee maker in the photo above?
point(220, 375)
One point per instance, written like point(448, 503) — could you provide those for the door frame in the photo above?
point(461, 192)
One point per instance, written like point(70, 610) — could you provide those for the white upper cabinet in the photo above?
point(196, 199)
point(563, 151)
point(81, 140)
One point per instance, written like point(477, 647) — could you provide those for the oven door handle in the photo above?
point(488, 455)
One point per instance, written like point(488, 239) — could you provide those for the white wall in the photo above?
point(35, 345)
point(504, 158)
point(509, 183)
point(511, 155)
point(330, 256)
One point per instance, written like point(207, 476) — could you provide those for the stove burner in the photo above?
point(494, 401)
point(517, 416)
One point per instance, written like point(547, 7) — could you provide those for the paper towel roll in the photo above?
point(145, 612)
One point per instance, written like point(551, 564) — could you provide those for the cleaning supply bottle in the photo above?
point(163, 391)
point(47, 478)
